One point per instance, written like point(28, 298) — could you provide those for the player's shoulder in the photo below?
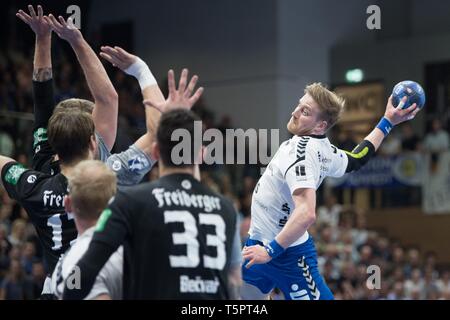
point(16, 174)
point(298, 148)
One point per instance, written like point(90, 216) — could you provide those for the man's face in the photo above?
point(305, 117)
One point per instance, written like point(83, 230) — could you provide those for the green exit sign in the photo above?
point(354, 75)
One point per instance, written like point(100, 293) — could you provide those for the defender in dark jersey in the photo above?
point(71, 133)
point(177, 233)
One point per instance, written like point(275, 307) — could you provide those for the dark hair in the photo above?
point(69, 134)
point(169, 122)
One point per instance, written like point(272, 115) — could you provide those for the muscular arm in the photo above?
point(366, 149)
point(302, 217)
point(43, 92)
point(154, 100)
point(43, 96)
point(42, 65)
point(152, 116)
point(105, 96)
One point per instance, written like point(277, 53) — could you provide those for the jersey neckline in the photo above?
point(317, 136)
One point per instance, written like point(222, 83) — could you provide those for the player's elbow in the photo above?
point(310, 217)
point(113, 97)
point(109, 98)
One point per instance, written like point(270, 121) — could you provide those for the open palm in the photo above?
point(37, 22)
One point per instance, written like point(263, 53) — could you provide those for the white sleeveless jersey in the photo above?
point(301, 162)
point(109, 280)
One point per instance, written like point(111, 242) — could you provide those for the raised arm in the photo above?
point(364, 151)
point(43, 95)
point(182, 97)
point(101, 88)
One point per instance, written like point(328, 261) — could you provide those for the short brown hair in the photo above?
point(75, 103)
point(91, 185)
point(69, 134)
point(331, 105)
point(169, 122)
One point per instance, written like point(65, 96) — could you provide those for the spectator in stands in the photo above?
point(437, 140)
point(415, 286)
point(18, 229)
point(397, 291)
point(329, 213)
point(16, 286)
point(28, 257)
point(410, 141)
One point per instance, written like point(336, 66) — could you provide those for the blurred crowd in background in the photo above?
point(345, 246)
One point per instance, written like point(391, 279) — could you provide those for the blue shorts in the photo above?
point(294, 272)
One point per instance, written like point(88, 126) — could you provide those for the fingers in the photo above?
point(53, 22)
point(122, 52)
point(32, 12)
point(23, 16)
point(411, 108)
point(171, 81)
point(193, 100)
point(402, 103)
point(408, 112)
point(414, 113)
point(40, 12)
point(250, 263)
point(191, 86)
point(112, 55)
point(62, 21)
point(108, 58)
point(183, 80)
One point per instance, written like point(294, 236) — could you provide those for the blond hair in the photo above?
point(330, 104)
point(75, 103)
point(91, 185)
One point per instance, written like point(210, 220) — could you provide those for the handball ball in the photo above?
point(410, 89)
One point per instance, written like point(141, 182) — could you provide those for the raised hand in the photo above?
point(37, 23)
point(118, 57)
point(399, 115)
point(64, 30)
point(181, 97)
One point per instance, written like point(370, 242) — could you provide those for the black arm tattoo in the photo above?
point(42, 74)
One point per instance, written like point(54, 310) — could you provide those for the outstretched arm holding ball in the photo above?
point(392, 116)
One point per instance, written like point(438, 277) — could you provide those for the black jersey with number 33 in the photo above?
point(177, 237)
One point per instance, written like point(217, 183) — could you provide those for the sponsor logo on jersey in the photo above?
point(14, 173)
point(198, 285)
point(137, 164)
point(52, 199)
point(116, 165)
point(285, 208)
point(297, 294)
point(182, 198)
point(186, 184)
point(31, 179)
